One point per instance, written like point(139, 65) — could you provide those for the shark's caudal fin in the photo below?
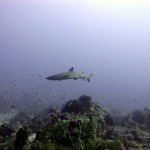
point(88, 78)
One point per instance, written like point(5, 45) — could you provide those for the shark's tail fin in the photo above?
point(88, 78)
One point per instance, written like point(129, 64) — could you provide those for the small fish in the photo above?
point(12, 106)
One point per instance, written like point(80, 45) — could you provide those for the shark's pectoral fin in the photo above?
point(76, 78)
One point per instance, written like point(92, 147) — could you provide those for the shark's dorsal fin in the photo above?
point(71, 69)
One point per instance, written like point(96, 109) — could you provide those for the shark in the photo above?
point(71, 74)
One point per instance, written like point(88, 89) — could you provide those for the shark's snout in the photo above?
point(52, 78)
point(49, 78)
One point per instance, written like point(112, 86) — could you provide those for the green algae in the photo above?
point(58, 137)
point(8, 144)
point(109, 144)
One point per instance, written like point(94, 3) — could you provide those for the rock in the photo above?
point(32, 137)
point(129, 136)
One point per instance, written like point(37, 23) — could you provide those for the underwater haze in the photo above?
point(45, 37)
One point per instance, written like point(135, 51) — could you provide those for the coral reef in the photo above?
point(82, 105)
point(80, 125)
point(138, 116)
point(147, 117)
point(21, 138)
